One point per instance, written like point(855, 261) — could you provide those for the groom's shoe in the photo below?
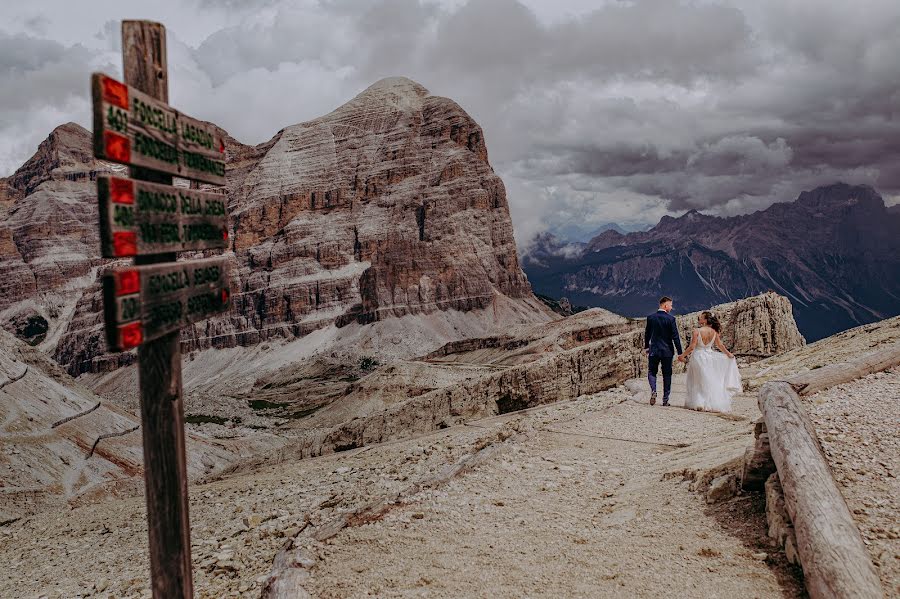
point(653, 398)
point(665, 402)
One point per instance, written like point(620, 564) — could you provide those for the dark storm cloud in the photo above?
point(592, 111)
point(26, 53)
point(655, 39)
point(789, 106)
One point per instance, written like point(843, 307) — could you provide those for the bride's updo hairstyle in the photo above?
point(712, 322)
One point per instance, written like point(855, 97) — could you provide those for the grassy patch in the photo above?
point(302, 413)
point(204, 418)
point(368, 363)
point(262, 404)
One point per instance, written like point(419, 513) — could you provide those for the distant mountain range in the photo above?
point(581, 233)
point(835, 252)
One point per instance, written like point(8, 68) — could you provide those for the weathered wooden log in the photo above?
point(290, 570)
point(835, 560)
point(813, 381)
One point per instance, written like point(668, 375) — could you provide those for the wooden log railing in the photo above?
point(835, 560)
point(813, 381)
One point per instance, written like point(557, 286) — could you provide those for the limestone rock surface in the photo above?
point(385, 207)
point(49, 239)
point(62, 445)
point(580, 355)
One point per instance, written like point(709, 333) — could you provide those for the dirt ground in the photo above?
point(598, 497)
point(596, 500)
point(857, 424)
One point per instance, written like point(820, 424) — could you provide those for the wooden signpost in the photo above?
point(134, 128)
point(139, 218)
point(146, 305)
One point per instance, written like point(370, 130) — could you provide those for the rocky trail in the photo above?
point(596, 498)
point(601, 496)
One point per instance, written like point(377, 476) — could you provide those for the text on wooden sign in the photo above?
point(138, 218)
point(142, 303)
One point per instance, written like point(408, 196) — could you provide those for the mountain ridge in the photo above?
point(840, 272)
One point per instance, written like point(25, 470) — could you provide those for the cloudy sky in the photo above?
point(594, 112)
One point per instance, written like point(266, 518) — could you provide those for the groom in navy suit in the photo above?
point(660, 334)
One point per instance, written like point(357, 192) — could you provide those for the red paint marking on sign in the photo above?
point(221, 147)
point(124, 243)
point(225, 234)
point(128, 282)
point(225, 296)
point(121, 190)
point(118, 147)
point(131, 335)
point(115, 92)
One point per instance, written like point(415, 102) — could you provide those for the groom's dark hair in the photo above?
point(664, 299)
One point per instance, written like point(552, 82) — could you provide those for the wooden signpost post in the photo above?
point(146, 305)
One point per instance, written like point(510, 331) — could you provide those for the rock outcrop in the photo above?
point(834, 252)
point(49, 239)
point(755, 327)
point(385, 207)
point(586, 353)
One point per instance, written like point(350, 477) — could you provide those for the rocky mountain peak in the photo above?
point(840, 195)
point(66, 152)
point(392, 87)
point(385, 207)
point(834, 251)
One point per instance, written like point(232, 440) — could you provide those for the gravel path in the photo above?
point(595, 498)
point(858, 425)
point(576, 512)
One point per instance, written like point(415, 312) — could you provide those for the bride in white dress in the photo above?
point(712, 377)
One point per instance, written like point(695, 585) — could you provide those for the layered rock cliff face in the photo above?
point(388, 206)
point(385, 207)
point(49, 237)
point(834, 251)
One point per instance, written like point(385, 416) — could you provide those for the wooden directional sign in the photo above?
point(138, 218)
point(133, 128)
point(142, 303)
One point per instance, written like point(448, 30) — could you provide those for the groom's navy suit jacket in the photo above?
point(660, 334)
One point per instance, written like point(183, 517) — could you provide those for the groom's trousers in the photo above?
point(654, 364)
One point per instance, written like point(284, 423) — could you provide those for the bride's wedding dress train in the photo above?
point(712, 379)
